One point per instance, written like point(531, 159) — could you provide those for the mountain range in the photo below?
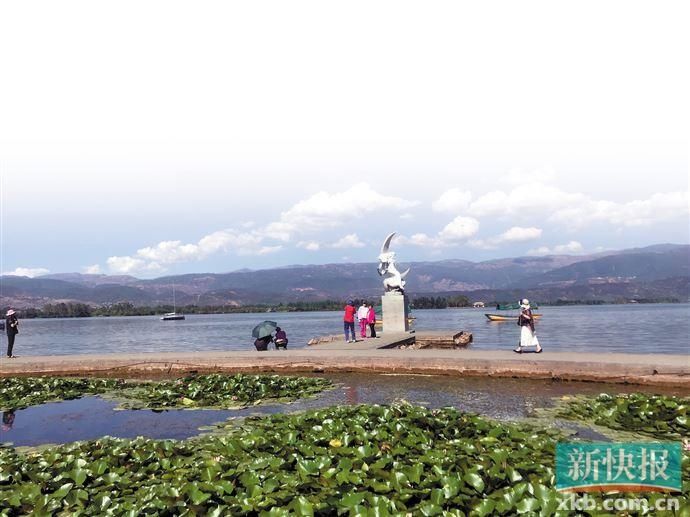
point(655, 272)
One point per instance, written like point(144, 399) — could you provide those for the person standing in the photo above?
point(362, 315)
point(371, 320)
point(349, 322)
point(12, 328)
point(528, 337)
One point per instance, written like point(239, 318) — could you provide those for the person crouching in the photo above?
point(280, 339)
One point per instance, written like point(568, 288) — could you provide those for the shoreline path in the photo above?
point(368, 356)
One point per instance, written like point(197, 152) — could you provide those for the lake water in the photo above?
point(654, 328)
point(503, 399)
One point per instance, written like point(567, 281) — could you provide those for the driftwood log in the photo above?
point(324, 339)
point(460, 339)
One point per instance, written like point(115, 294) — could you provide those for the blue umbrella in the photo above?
point(264, 329)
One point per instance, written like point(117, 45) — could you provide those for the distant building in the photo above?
point(478, 305)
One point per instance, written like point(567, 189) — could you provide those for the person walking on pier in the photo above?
point(12, 328)
point(528, 338)
point(349, 322)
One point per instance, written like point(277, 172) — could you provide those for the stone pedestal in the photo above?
point(394, 308)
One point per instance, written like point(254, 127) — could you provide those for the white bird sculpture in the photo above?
point(394, 280)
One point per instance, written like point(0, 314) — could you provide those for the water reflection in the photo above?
point(7, 419)
point(351, 395)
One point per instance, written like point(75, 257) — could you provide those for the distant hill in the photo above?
point(655, 272)
point(625, 267)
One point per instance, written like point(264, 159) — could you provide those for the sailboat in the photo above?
point(172, 316)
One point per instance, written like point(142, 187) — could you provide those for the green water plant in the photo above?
point(657, 416)
point(218, 391)
point(362, 460)
point(194, 391)
point(21, 392)
point(351, 460)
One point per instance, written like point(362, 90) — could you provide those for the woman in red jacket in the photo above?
point(349, 322)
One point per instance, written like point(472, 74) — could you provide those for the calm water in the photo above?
point(504, 399)
point(656, 328)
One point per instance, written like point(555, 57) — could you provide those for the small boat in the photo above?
point(509, 316)
point(172, 316)
point(505, 317)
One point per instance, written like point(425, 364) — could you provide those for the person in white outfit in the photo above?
point(528, 338)
point(363, 316)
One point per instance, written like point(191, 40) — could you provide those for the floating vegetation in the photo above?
point(198, 391)
point(657, 416)
point(21, 392)
point(349, 460)
point(356, 460)
point(219, 391)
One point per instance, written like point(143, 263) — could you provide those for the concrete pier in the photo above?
point(367, 356)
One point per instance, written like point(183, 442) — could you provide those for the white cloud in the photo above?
point(526, 198)
point(322, 210)
point(422, 240)
point(279, 230)
point(514, 234)
point(453, 201)
point(92, 270)
point(520, 234)
point(169, 252)
point(655, 209)
point(576, 210)
point(154, 258)
point(406, 216)
point(28, 271)
point(263, 250)
point(481, 244)
point(327, 210)
point(131, 265)
point(459, 229)
point(455, 232)
point(349, 241)
point(309, 245)
point(561, 249)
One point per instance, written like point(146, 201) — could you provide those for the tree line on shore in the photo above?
point(83, 310)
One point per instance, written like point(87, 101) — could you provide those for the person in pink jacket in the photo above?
point(371, 319)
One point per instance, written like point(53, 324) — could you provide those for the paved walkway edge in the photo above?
point(651, 370)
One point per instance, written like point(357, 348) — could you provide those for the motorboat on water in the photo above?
point(506, 317)
point(172, 316)
point(510, 316)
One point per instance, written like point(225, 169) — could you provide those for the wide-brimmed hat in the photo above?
point(10, 312)
point(524, 302)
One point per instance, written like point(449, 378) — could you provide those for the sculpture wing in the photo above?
point(404, 273)
point(387, 243)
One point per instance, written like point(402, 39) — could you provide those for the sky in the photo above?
point(164, 137)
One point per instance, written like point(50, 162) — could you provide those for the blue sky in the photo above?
point(222, 136)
